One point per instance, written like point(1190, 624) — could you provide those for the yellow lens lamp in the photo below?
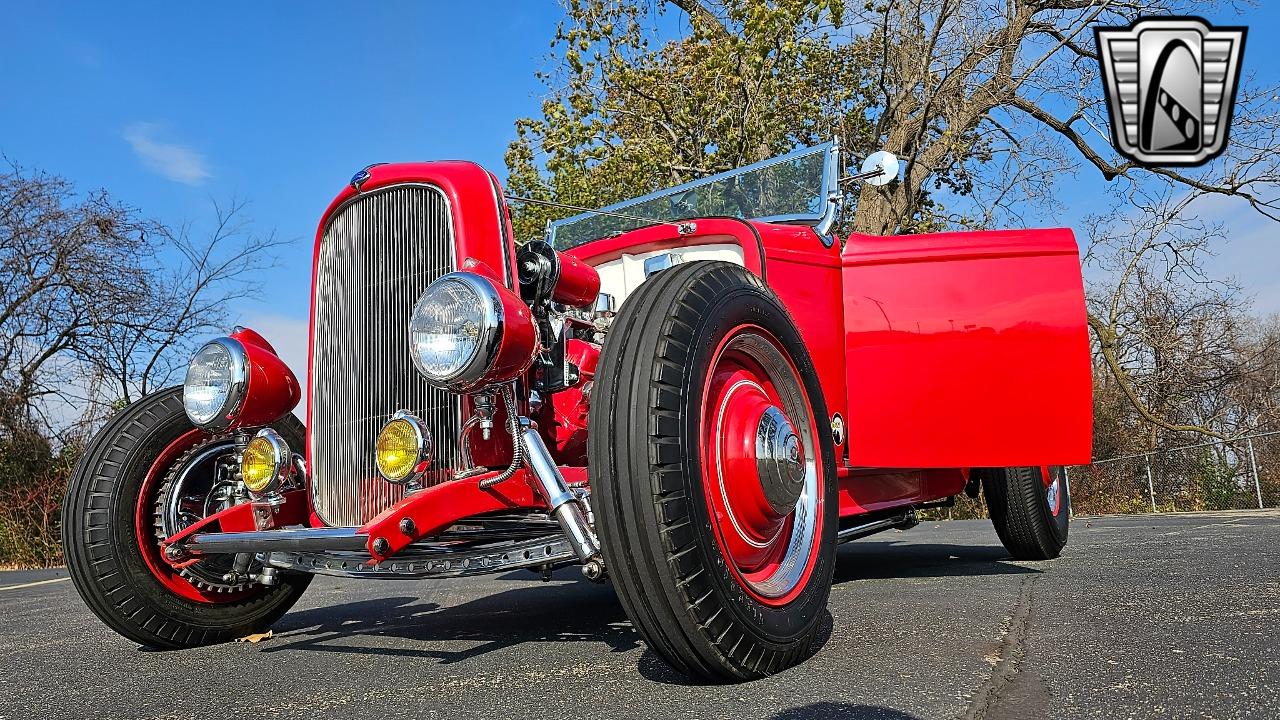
point(403, 450)
point(265, 463)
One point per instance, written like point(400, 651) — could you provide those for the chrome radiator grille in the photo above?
point(377, 255)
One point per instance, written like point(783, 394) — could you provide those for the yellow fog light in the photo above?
point(403, 446)
point(264, 462)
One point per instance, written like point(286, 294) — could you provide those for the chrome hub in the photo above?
point(202, 482)
point(779, 463)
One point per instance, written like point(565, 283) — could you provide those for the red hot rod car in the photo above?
point(695, 395)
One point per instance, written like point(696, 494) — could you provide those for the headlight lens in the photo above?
point(264, 461)
point(454, 331)
point(403, 444)
point(214, 383)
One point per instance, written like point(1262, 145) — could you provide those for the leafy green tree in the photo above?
point(631, 111)
point(988, 104)
point(1217, 481)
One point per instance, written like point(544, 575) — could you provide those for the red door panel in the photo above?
point(966, 350)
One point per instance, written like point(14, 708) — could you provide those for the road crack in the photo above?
point(1006, 692)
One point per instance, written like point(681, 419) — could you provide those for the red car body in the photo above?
point(755, 411)
point(942, 352)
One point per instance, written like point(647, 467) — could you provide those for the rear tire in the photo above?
point(1030, 508)
point(696, 602)
point(113, 565)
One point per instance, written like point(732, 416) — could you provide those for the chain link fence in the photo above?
point(1237, 474)
point(1225, 475)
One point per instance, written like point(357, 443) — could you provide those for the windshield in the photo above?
point(796, 187)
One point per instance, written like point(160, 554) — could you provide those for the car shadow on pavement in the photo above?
point(552, 612)
point(887, 560)
point(574, 610)
point(845, 711)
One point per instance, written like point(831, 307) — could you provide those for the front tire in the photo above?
point(1030, 508)
point(111, 545)
point(714, 482)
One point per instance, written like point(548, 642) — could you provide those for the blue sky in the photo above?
point(280, 103)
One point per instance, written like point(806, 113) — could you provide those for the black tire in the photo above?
point(103, 550)
point(659, 545)
point(1027, 525)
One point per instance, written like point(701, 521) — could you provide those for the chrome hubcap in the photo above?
point(778, 461)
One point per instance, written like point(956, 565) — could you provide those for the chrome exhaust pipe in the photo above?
point(561, 501)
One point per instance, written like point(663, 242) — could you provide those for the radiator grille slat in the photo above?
point(377, 255)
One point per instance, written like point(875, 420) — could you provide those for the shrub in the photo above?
point(31, 508)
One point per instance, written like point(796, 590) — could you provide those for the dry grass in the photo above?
point(33, 484)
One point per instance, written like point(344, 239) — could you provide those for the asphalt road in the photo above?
point(1170, 616)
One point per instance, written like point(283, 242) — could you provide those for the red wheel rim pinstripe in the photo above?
point(1053, 486)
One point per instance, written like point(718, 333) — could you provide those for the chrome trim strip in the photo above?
point(299, 539)
point(507, 259)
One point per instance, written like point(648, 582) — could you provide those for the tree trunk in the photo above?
point(879, 210)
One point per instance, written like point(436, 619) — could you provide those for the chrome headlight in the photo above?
point(215, 383)
point(456, 330)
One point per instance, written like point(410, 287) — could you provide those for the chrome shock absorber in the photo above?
point(563, 503)
point(528, 450)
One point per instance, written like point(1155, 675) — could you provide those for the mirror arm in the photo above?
point(864, 175)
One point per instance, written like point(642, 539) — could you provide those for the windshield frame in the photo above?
point(820, 221)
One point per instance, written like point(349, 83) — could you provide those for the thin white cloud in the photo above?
point(178, 163)
point(1249, 253)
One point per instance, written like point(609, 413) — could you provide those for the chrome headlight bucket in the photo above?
point(215, 384)
point(456, 330)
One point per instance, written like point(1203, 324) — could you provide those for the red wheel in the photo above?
point(1055, 488)
point(146, 475)
point(760, 474)
point(714, 487)
point(192, 478)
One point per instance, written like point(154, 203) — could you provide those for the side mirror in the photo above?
point(880, 168)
